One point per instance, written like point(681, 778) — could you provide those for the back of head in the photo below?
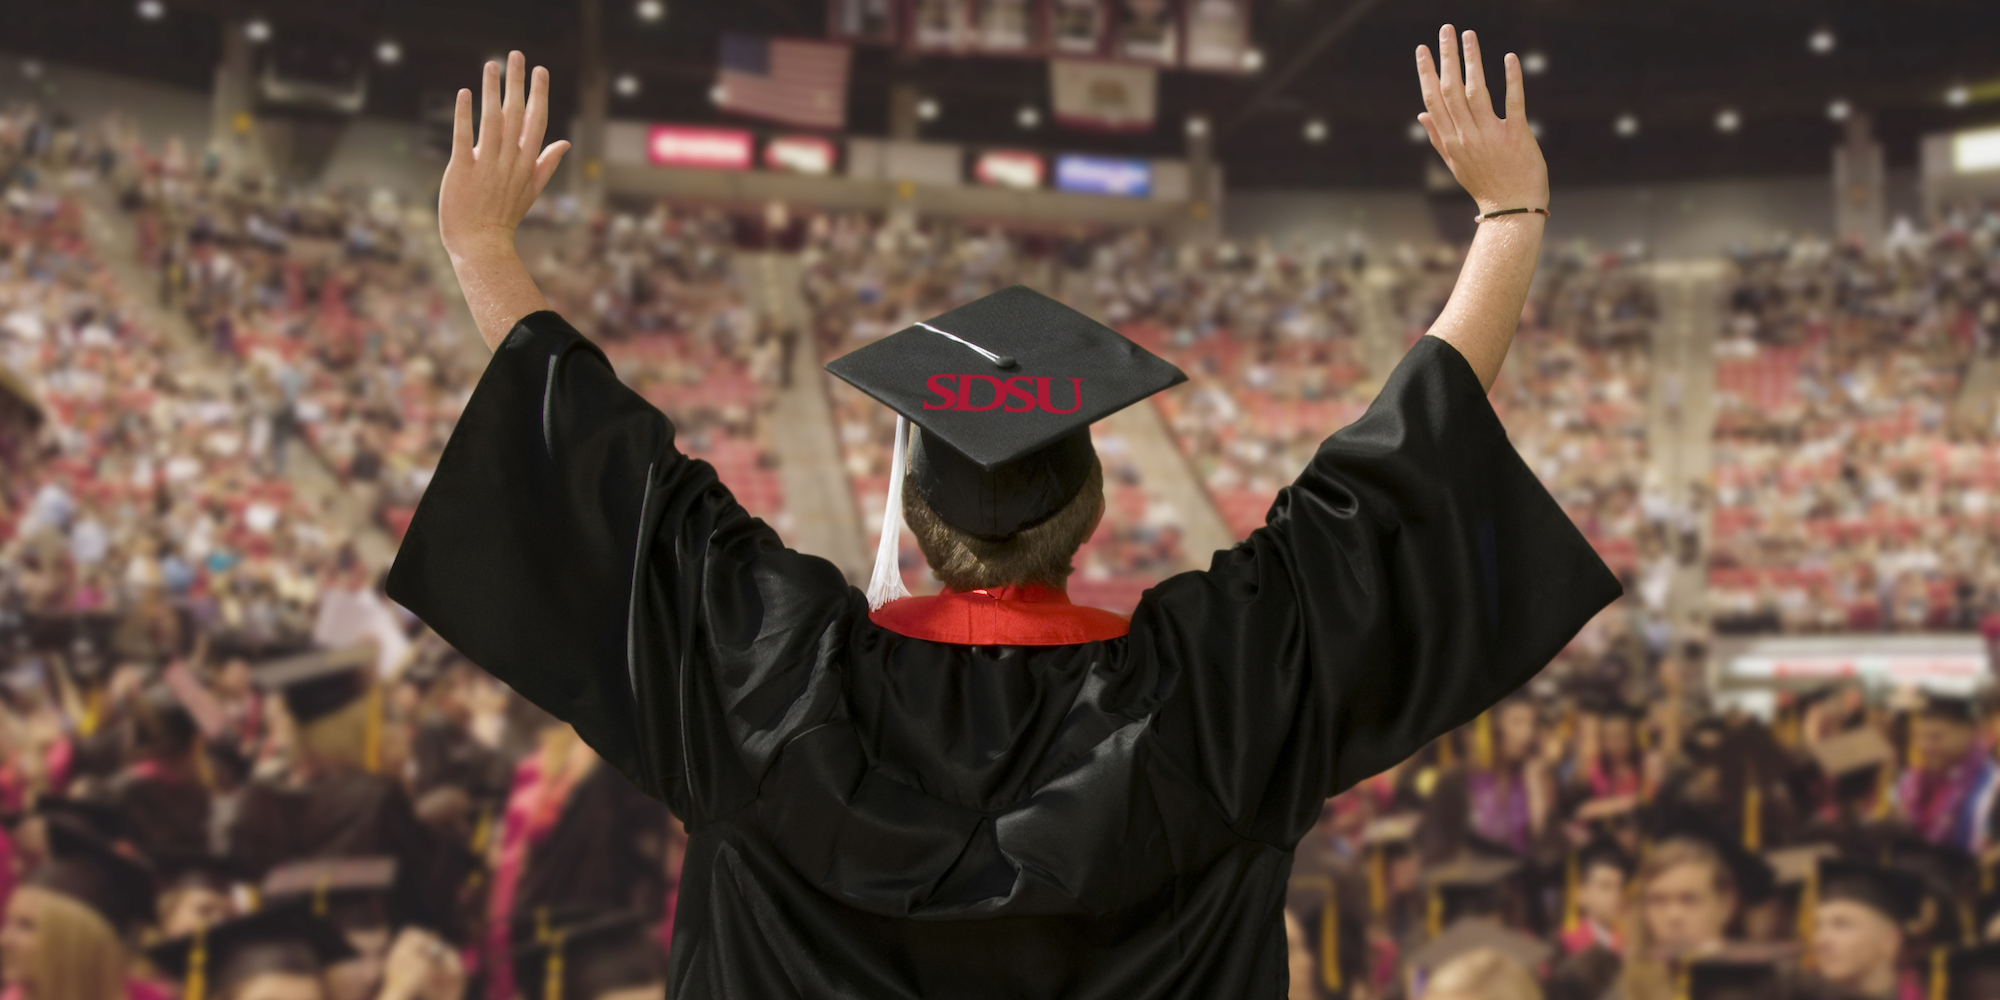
point(78, 954)
point(1482, 974)
point(1040, 554)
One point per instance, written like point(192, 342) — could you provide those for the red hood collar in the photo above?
point(1002, 616)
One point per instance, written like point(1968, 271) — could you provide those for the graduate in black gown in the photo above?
point(1052, 802)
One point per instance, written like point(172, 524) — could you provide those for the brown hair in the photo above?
point(1484, 974)
point(78, 955)
point(1646, 976)
point(1038, 554)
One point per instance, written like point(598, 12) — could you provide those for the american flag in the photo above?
point(790, 80)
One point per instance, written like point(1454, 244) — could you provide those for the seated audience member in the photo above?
point(610, 957)
point(68, 926)
point(1482, 974)
point(276, 954)
point(1690, 887)
point(1859, 930)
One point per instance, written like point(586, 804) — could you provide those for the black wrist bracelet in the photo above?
point(1509, 211)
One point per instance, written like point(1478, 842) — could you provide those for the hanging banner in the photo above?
point(800, 154)
point(1006, 27)
point(1078, 27)
point(1112, 175)
point(940, 25)
point(1114, 97)
point(868, 22)
point(1218, 34)
point(693, 146)
point(1147, 32)
point(1012, 168)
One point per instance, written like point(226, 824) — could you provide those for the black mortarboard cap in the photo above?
point(1471, 885)
point(1854, 750)
point(1949, 707)
point(103, 820)
point(1004, 390)
point(319, 683)
point(215, 872)
point(1754, 878)
point(283, 940)
point(91, 870)
point(351, 892)
point(1897, 895)
point(1724, 979)
point(579, 961)
point(1603, 850)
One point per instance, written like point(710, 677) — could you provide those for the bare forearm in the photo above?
point(1485, 305)
point(497, 289)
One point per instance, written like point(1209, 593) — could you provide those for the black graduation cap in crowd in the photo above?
point(1728, 979)
point(1949, 707)
point(1754, 878)
point(1897, 895)
point(91, 870)
point(578, 961)
point(1003, 391)
point(1469, 885)
point(103, 820)
point(319, 683)
point(283, 940)
point(352, 893)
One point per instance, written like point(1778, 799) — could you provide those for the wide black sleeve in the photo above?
point(566, 546)
point(1414, 574)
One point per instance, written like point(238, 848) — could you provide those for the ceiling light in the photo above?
point(1316, 131)
point(31, 69)
point(1418, 133)
point(1838, 110)
point(151, 10)
point(1535, 63)
point(1197, 126)
point(1534, 128)
point(1958, 96)
point(1822, 41)
point(388, 52)
point(650, 10)
point(1627, 125)
point(1253, 60)
point(1728, 120)
point(258, 30)
point(627, 85)
point(1028, 117)
point(716, 94)
point(928, 109)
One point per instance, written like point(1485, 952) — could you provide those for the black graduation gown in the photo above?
point(874, 816)
point(605, 853)
point(350, 815)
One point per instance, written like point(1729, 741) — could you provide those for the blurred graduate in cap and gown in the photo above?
point(1692, 885)
point(281, 953)
point(1947, 793)
point(990, 791)
point(333, 800)
point(166, 794)
point(1870, 932)
point(71, 925)
point(604, 956)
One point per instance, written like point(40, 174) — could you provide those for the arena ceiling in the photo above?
point(1672, 65)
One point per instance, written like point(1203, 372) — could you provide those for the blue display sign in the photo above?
point(1104, 175)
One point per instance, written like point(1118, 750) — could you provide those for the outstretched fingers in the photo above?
point(461, 126)
point(1427, 81)
point(515, 106)
point(1477, 95)
point(536, 124)
point(1517, 92)
point(489, 109)
point(1452, 79)
point(545, 165)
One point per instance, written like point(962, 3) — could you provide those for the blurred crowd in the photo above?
point(1853, 491)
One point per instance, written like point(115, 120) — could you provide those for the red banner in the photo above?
point(708, 148)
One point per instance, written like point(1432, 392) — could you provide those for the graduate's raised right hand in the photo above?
point(489, 186)
point(1495, 159)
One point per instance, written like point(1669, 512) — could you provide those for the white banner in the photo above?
point(1113, 97)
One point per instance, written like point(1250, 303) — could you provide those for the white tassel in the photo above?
point(887, 582)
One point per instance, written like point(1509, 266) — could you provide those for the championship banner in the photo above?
point(1147, 31)
point(940, 25)
point(1112, 97)
point(1078, 27)
point(1218, 34)
point(1007, 27)
point(865, 22)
